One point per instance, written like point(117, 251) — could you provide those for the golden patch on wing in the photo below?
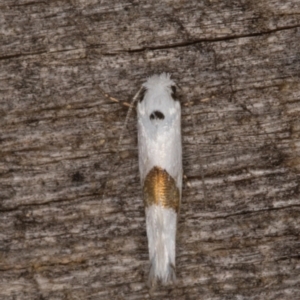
point(160, 189)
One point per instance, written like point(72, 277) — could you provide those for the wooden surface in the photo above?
point(72, 221)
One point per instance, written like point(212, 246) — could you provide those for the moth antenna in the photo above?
point(130, 107)
point(124, 103)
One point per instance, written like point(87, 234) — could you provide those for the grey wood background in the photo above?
point(72, 221)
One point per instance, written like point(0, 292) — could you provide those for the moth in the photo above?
point(160, 165)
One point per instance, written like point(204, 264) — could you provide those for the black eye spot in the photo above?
point(142, 95)
point(157, 115)
point(173, 94)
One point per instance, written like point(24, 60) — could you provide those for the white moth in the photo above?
point(160, 164)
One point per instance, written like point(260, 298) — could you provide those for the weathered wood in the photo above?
point(236, 62)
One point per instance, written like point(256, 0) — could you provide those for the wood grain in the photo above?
point(72, 222)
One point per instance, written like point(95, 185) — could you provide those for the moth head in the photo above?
point(158, 99)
